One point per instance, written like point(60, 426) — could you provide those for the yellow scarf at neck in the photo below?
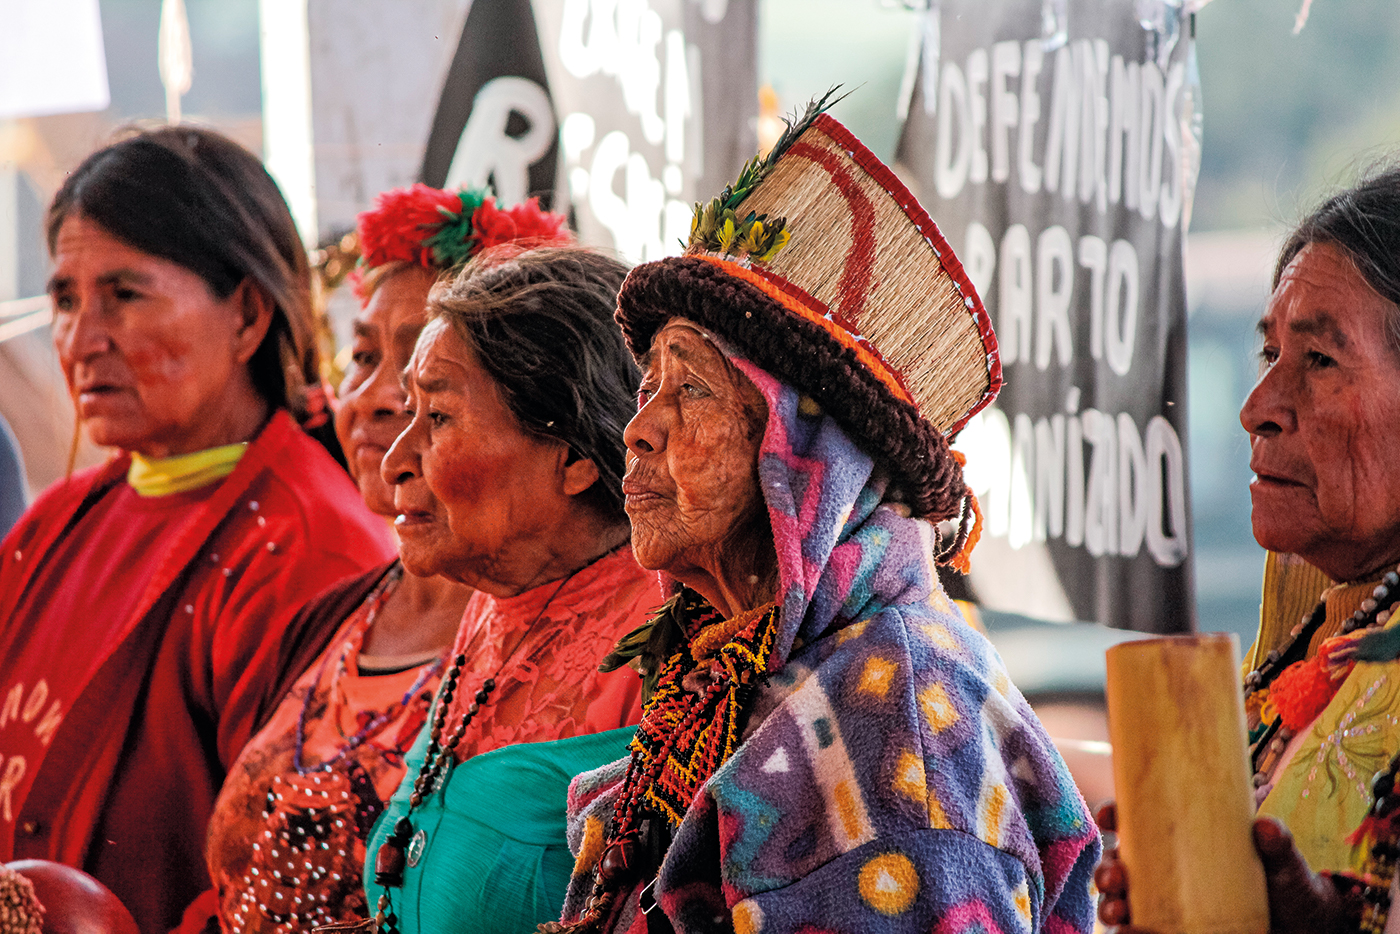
point(162, 476)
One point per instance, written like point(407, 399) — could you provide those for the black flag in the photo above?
point(495, 119)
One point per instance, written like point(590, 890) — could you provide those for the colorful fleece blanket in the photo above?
point(891, 778)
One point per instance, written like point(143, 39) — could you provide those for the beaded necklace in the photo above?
point(376, 600)
point(20, 911)
point(683, 739)
point(391, 859)
point(1270, 740)
point(1379, 835)
point(1365, 892)
point(303, 867)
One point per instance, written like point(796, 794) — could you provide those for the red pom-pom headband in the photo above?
point(437, 229)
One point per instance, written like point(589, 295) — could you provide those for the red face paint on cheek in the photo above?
point(464, 479)
point(158, 366)
point(494, 481)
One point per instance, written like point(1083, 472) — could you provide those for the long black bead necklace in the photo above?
point(391, 859)
point(1268, 741)
point(1381, 830)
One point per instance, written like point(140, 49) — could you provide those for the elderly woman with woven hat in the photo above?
point(827, 746)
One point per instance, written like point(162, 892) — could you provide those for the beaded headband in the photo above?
point(819, 266)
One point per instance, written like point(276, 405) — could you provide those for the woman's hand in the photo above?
point(1300, 901)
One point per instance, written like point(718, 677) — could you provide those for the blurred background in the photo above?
point(1287, 118)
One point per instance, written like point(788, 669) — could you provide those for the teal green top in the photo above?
point(488, 851)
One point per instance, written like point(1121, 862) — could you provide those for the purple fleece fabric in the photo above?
point(891, 777)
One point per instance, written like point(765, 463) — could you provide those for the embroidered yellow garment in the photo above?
point(162, 476)
point(1323, 792)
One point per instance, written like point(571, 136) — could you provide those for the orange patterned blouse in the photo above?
point(543, 647)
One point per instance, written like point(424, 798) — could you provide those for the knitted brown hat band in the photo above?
point(804, 356)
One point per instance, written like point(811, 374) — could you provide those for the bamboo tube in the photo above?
point(1181, 776)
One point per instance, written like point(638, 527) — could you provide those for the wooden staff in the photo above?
point(1181, 776)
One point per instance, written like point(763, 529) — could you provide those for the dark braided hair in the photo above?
point(916, 455)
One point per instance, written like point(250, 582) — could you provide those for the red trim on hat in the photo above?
point(854, 286)
point(800, 303)
point(868, 161)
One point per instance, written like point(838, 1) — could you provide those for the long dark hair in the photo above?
point(1363, 222)
point(541, 324)
point(197, 198)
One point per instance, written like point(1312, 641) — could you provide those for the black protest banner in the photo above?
point(657, 102)
point(495, 122)
point(1054, 144)
point(621, 112)
point(654, 102)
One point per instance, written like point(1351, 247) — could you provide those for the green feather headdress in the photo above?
point(717, 228)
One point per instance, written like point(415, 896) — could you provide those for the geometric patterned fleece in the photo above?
point(891, 777)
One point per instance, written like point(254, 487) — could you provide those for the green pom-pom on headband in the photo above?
point(438, 229)
point(456, 239)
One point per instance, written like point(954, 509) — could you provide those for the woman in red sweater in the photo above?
point(142, 602)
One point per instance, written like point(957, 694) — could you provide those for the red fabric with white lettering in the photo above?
point(76, 583)
point(164, 695)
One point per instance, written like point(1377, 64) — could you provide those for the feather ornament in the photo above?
point(715, 225)
point(647, 647)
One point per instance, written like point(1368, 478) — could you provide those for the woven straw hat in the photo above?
point(820, 267)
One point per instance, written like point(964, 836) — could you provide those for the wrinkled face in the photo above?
point(150, 355)
point(373, 404)
point(1322, 420)
point(692, 456)
point(469, 482)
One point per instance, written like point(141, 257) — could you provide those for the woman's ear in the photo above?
point(579, 474)
point(254, 310)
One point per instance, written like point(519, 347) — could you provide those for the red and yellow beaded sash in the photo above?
point(718, 662)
